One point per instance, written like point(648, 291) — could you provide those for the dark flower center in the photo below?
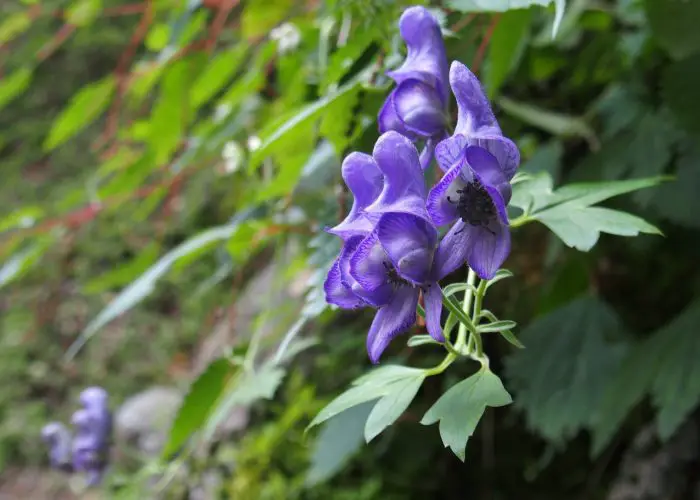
point(475, 206)
point(393, 277)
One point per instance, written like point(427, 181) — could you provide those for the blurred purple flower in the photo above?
point(417, 107)
point(93, 427)
point(478, 163)
point(58, 439)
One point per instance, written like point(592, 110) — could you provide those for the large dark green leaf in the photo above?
point(559, 379)
point(674, 24)
point(681, 81)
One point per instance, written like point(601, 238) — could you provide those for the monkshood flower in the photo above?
point(478, 163)
point(58, 439)
point(395, 262)
point(93, 427)
point(417, 107)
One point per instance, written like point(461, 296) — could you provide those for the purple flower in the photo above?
point(365, 181)
point(417, 107)
point(58, 439)
point(478, 163)
point(93, 427)
point(394, 263)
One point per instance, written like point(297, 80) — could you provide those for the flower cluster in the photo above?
point(392, 250)
point(86, 451)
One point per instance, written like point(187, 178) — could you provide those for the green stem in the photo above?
point(520, 221)
point(442, 366)
point(478, 344)
point(466, 306)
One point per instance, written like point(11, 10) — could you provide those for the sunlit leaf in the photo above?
point(392, 405)
point(506, 48)
point(83, 12)
point(83, 108)
point(506, 5)
point(14, 84)
point(198, 403)
point(14, 25)
point(259, 17)
point(216, 74)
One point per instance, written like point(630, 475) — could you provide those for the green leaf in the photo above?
point(624, 390)
point(145, 284)
point(567, 210)
point(461, 407)
point(511, 339)
point(251, 386)
point(340, 438)
point(86, 105)
point(83, 12)
point(259, 17)
point(171, 111)
point(124, 273)
point(674, 25)
point(13, 26)
point(506, 48)
point(418, 340)
point(580, 227)
point(558, 381)
point(506, 5)
point(195, 408)
point(392, 405)
point(22, 261)
point(497, 326)
point(679, 88)
point(558, 124)
point(343, 58)
point(675, 390)
point(369, 387)
point(456, 309)
point(14, 84)
point(501, 274)
point(678, 200)
point(216, 74)
point(158, 36)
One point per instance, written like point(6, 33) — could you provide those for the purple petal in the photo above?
point(378, 297)
point(404, 185)
point(391, 320)
point(94, 397)
point(419, 107)
point(432, 298)
point(426, 156)
point(368, 265)
point(488, 250)
point(365, 181)
point(441, 210)
point(450, 151)
point(388, 119)
point(409, 241)
point(474, 110)
point(486, 167)
point(499, 203)
point(346, 252)
point(503, 149)
point(338, 293)
point(452, 251)
point(426, 59)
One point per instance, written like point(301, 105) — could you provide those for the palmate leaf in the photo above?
point(559, 379)
point(567, 211)
point(393, 387)
point(663, 366)
point(461, 407)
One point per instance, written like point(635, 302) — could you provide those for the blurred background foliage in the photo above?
point(168, 166)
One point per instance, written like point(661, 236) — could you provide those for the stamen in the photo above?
point(475, 206)
point(393, 277)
